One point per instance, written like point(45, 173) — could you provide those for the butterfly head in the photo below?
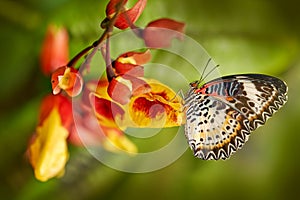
point(195, 84)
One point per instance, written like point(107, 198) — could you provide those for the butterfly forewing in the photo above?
point(222, 113)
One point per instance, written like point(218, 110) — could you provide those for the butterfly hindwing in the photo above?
point(213, 129)
point(222, 113)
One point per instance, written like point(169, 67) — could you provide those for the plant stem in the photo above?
point(97, 45)
point(74, 60)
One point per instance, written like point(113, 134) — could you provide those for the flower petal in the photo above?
point(135, 58)
point(103, 128)
point(129, 69)
point(117, 141)
point(106, 111)
point(127, 17)
point(68, 79)
point(77, 83)
point(139, 86)
point(48, 151)
point(120, 90)
point(86, 131)
point(130, 63)
point(159, 108)
point(111, 7)
point(64, 106)
point(159, 33)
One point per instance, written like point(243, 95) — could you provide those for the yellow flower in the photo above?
point(108, 112)
point(159, 108)
point(48, 150)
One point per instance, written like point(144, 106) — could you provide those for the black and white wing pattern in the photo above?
point(221, 114)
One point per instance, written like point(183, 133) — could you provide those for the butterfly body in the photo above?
point(221, 114)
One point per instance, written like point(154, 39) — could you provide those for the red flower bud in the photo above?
point(54, 51)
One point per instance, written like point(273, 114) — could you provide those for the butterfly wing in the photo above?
point(223, 112)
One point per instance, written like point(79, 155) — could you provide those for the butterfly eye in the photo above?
point(194, 84)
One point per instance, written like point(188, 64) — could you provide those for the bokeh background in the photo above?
point(259, 36)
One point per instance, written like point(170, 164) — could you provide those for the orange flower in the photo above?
point(128, 72)
point(108, 113)
point(48, 152)
point(106, 108)
point(67, 79)
point(126, 17)
point(159, 108)
point(101, 131)
point(54, 51)
point(147, 103)
point(122, 88)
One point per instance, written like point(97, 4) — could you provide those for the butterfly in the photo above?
point(221, 114)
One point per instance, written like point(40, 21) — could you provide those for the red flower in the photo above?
point(122, 88)
point(63, 105)
point(54, 51)
point(48, 151)
point(130, 63)
point(158, 108)
point(128, 81)
point(108, 114)
point(67, 79)
point(147, 103)
point(105, 108)
point(125, 17)
point(159, 33)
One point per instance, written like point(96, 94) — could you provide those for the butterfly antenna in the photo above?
point(215, 67)
point(205, 69)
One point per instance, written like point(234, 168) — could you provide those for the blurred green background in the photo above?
point(259, 36)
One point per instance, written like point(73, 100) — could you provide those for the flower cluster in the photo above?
point(96, 112)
